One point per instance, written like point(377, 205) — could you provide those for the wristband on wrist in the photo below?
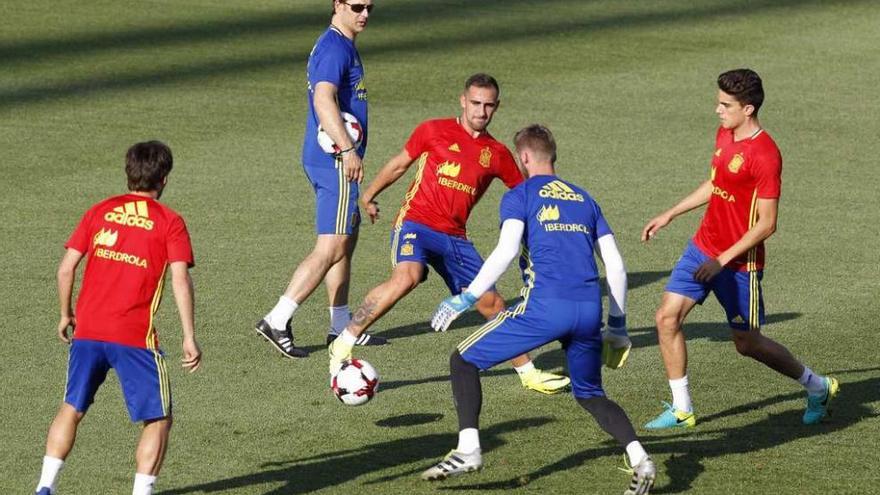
point(468, 298)
point(353, 147)
point(617, 321)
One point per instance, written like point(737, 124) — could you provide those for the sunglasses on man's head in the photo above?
point(357, 8)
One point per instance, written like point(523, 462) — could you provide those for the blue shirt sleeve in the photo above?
point(328, 64)
point(513, 205)
point(602, 228)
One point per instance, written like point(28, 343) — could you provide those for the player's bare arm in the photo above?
point(330, 118)
point(696, 199)
point(182, 284)
point(390, 172)
point(66, 277)
point(763, 229)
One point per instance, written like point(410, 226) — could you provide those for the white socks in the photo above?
point(522, 370)
point(49, 475)
point(635, 452)
point(283, 311)
point(814, 383)
point(347, 337)
point(468, 441)
point(340, 316)
point(681, 397)
point(143, 484)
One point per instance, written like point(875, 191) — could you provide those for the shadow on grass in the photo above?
point(419, 15)
point(409, 420)
point(687, 451)
point(322, 471)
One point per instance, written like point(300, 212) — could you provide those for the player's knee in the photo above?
point(405, 280)
point(745, 345)
point(331, 248)
point(457, 363)
point(69, 414)
point(666, 322)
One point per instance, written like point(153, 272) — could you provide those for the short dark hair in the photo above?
point(744, 85)
point(482, 80)
point(536, 138)
point(147, 165)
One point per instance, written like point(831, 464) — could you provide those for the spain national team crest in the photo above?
point(486, 157)
point(736, 163)
point(406, 249)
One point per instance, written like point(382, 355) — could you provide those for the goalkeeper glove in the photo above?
point(450, 309)
point(615, 343)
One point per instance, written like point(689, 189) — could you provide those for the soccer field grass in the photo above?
point(628, 88)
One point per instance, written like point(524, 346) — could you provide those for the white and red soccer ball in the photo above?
point(355, 383)
point(352, 127)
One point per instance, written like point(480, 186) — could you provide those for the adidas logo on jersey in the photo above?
point(105, 237)
point(132, 214)
point(560, 190)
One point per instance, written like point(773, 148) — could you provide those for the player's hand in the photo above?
point(707, 271)
point(615, 347)
point(353, 167)
point(450, 309)
point(192, 355)
point(63, 324)
point(372, 209)
point(654, 226)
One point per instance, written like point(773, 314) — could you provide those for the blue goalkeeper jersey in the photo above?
point(562, 225)
point(334, 59)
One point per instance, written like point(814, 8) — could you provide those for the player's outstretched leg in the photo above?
point(275, 326)
point(59, 443)
point(468, 394)
point(614, 421)
point(337, 281)
point(674, 308)
point(821, 390)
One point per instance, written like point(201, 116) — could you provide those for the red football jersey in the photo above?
point(454, 170)
point(742, 172)
point(129, 241)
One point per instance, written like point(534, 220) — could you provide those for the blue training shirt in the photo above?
point(562, 225)
point(334, 59)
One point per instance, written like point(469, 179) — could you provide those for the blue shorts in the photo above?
point(738, 292)
point(453, 258)
point(141, 372)
point(538, 321)
point(336, 201)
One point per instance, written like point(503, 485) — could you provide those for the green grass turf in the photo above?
point(628, 88)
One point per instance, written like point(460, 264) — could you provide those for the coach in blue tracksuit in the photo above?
point(557, 225)
point(335, 84)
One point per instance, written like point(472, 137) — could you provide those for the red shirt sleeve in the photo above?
point(80, 239)
point(508, 172)
point(415, 146)
point(178, 243)
point(768, 174)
